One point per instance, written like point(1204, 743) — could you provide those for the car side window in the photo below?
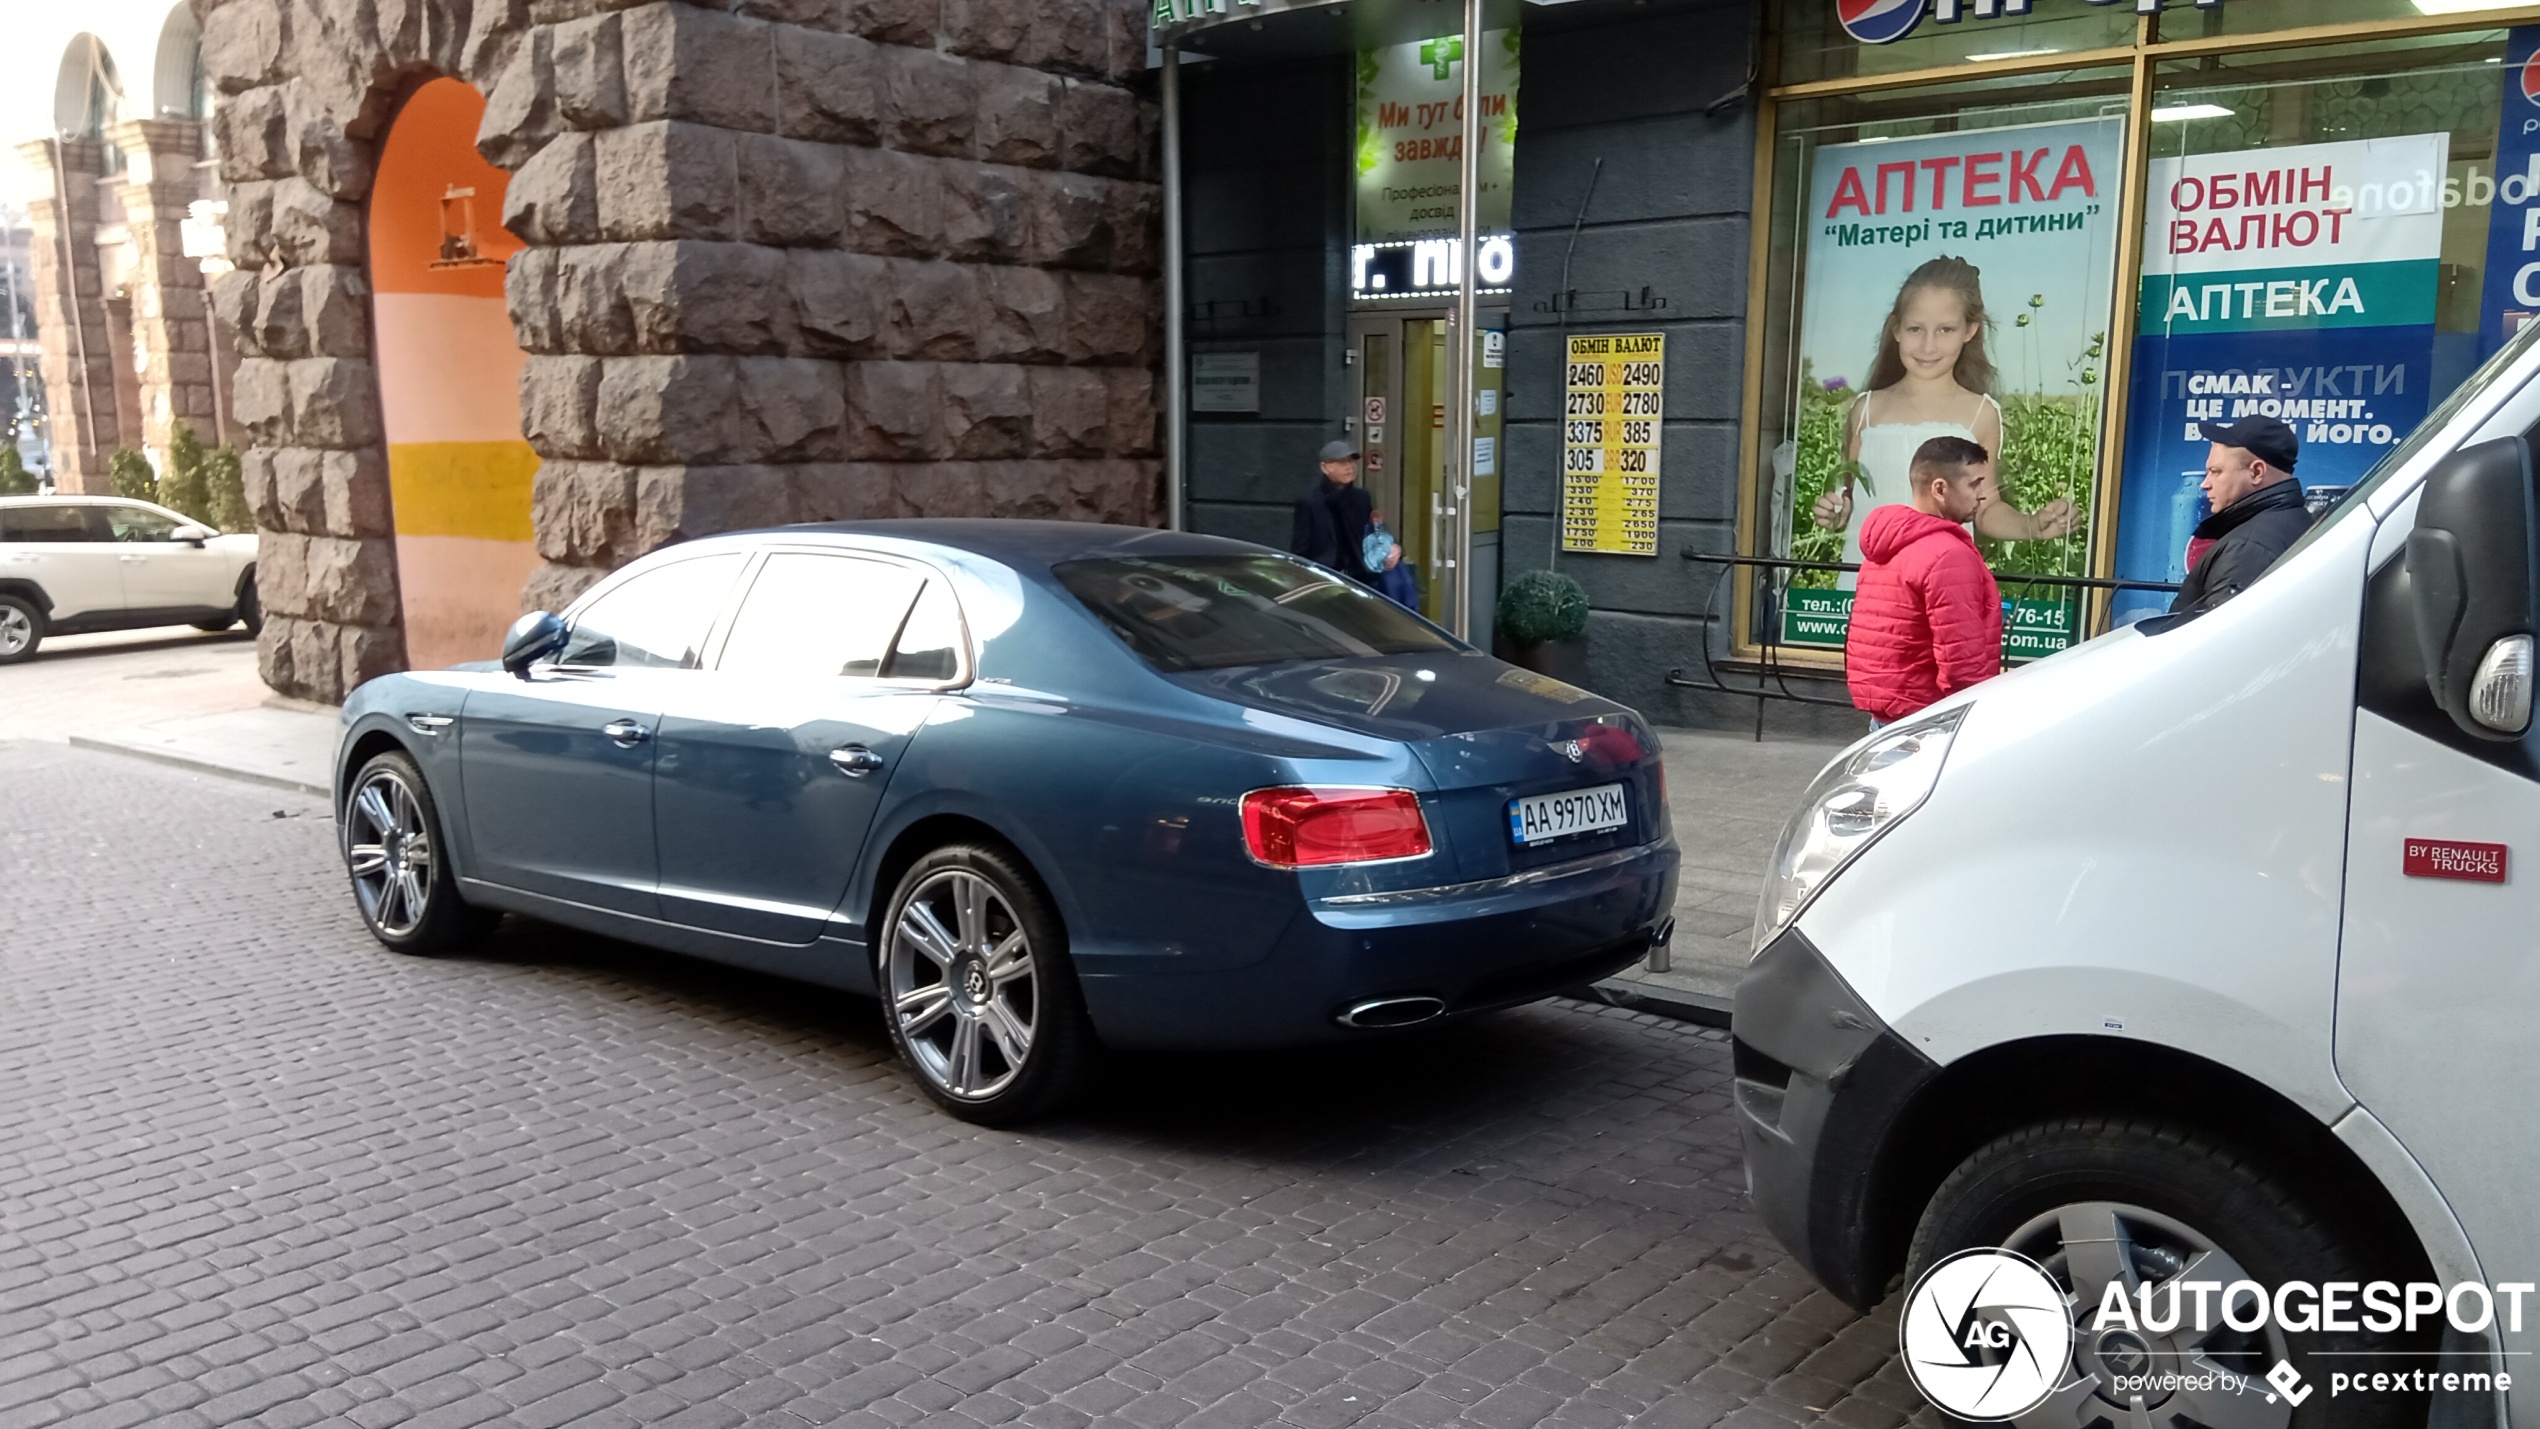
point(930, 644)
point(813, 615)
point(49, 524)
point(656, 620)
point(139, 523)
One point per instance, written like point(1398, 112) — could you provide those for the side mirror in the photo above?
point(2472, 563)
point(534, 637)
point(193, 535)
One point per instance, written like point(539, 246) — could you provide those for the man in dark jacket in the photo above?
point(2258, 511)
point(1332, 520)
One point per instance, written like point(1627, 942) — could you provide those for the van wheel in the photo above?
point(977, 988)
point(2102, 1200)
point(21, 629)
point(251, 607)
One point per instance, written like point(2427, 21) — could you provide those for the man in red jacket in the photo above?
point(1927, 617)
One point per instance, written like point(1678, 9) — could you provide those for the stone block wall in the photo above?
point(789, 260)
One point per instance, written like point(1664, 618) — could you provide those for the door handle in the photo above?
point(855, 760)
point(132, 560)
point(626, 732)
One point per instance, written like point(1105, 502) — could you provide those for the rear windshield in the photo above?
point(1208, 612)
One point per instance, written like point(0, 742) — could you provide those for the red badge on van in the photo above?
point(2453, 858)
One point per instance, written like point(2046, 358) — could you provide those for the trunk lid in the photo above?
point(1488, 733)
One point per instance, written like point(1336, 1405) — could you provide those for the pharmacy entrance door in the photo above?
point(1399, 361)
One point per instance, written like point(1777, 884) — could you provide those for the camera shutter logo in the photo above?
point(1879, 22)
point(1987, 1335)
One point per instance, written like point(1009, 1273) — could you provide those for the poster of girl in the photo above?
point(1931, 378)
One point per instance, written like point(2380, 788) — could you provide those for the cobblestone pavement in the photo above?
point(255, 1170)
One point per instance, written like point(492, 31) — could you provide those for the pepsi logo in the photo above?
point(2531, 77)
point(1881, 22)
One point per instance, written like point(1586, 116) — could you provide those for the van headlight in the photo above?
point(1857, 798)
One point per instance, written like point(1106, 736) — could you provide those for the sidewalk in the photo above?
point(1730, 797)
point(285, 744)
point(177, 697)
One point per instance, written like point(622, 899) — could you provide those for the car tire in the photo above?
point(2184, 1206)
point(22, 627)
point(214, 627)
point(251, 608)
point(970, 959)
point(403, 884)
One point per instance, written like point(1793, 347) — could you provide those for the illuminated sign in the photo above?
point(1429, 267)
point(1884, 22)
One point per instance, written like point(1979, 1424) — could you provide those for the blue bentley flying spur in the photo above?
point(1041, 788)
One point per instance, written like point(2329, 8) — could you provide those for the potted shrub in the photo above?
point(1542, 625)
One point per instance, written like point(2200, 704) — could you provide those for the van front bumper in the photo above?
point(1821, 1083)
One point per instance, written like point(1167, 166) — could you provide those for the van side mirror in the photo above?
point(534, 637)
point(2471, 566)
point(192, 535)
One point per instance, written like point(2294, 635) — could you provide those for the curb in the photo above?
point(1636, 997)
point(195, 765)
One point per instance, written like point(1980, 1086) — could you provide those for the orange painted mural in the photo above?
point(449, 380)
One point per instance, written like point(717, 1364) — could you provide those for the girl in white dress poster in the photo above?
point(1931, 378)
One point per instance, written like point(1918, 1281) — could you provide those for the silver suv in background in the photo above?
point(71, 565)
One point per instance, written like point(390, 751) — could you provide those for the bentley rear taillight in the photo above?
point(1313, 828)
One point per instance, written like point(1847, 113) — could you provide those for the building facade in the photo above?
point(107, 109)
point(1709, 229)
point(498, 297)
point(788, 261)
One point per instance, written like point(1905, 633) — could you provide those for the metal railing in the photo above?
point(1772, 576)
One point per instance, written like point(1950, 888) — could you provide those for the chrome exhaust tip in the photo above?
point(1385, 1012)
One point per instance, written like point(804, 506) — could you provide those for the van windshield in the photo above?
point(2360, 498)
point(1210, 612)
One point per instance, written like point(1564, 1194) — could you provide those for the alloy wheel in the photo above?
point(964, 986)
point(2217, 1374)
point(16, 631)
point(388, 848)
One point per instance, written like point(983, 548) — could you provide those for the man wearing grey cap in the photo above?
point(2258, 510)
point(1332, 519)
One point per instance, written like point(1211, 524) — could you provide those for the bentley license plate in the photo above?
point(1541, 818)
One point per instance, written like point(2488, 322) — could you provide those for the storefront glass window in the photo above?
point(2244, 17)
point(1840, 39)
point(2331, 238)
point(1944, 265)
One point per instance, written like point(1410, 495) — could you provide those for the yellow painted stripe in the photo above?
point(478, 489)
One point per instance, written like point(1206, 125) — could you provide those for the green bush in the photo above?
point(132, 477)
point(187, 490)
point(1542, 606)
point(227, 480)
point(15, 479)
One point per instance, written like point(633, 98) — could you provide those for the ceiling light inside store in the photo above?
point(2456, 7)
point(2011, 55)
point(2190, 111)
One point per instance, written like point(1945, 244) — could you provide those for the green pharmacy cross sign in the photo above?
point(1442, 55)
